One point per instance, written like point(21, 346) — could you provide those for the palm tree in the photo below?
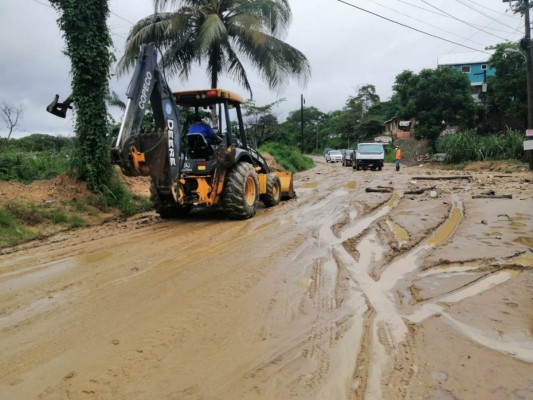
point(222, 33)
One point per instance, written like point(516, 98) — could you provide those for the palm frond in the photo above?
point(147, 30)
point(274, 59)
point(212, 33)
point(236, 70)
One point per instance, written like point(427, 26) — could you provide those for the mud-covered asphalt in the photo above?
point(338, 294)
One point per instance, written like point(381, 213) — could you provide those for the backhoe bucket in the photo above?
point(59, 109)
point(287, 186)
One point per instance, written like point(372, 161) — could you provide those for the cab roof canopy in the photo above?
point(206, 97)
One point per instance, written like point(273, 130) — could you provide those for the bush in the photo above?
point(41, 143)
point(469, 146)
point(11, 231)
point(117, 195)
point(27, 167)
point(289, 157)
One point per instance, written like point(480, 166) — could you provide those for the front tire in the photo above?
point(165, 206)
point(241, 192)
point(272, 197)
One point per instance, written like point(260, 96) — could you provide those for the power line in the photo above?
point(486, 15)
point(460, 20)
point(426, 23)
point(443, 15)
point(110, 31)
point(422, 8)
point(410, 27)
point(122, 18)
point(496, 11)
point(44, 4)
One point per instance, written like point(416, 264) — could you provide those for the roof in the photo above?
point(474, 57)
point(203, 97)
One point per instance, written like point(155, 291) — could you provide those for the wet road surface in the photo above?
point(338, 294)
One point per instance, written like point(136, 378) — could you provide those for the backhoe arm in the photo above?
point(150, 153)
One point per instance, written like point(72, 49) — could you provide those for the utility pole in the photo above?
point(302, 102)
point(527, 47)
point(529, 67)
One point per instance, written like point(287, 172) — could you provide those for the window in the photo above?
point(465, 69)
point(483, 67)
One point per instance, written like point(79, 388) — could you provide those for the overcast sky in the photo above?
point(347, 48)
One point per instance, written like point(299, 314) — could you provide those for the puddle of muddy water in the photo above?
point(525, 260)
point(448, 269)
point(446, 229)
point(364, 223)
point(371, 251)
point(310, 185)
point(410, 262)
point(517, 344)
point(36, 275)
point(38, 306)
point(92, 257)
point(399, 233)
point(480, 286)
point(528, 241)
point(351, 185)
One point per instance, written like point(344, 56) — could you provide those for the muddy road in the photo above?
point(338, 294)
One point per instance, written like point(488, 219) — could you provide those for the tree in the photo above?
point(260, 121)
point(434, 97)
point(221, 33)
point(507, 90)
point(12, 115)
point(314, 120)
point(365, 99)
point(83, 23)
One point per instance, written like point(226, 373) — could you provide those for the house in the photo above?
point(475, 65)
point(397, 128)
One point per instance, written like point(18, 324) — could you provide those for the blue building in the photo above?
point(475, 65)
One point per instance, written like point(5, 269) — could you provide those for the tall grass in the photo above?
point(289, 157)
point(116, 195)
point(27, 167)
point(469, 146)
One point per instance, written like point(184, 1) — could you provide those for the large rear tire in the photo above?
point(272, 197)
point(165, 208)
point(241, 192)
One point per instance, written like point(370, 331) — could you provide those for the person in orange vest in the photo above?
point(398, 158)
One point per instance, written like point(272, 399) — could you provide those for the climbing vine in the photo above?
point(88, 44)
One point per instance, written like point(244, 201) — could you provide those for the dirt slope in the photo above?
point(338, 294)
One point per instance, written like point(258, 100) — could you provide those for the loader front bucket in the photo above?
point(287, 186)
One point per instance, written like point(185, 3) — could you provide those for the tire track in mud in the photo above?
point(385, 333)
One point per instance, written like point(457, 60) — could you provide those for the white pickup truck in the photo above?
point(368, 155)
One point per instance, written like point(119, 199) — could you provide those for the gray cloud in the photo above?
point(347, 49)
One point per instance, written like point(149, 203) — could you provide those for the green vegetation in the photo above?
point(436, 97)
point(289, 157)
point(11, 230)
point(468, 146)
point(116, 195)
point(21, 221)
point(28, 167)
point(35, 157)
point(220, 35)
point(88, 45)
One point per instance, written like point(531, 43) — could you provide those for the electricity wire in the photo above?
point(460, 20)
point(410, 27)
point(424, 22)
point(486, 15)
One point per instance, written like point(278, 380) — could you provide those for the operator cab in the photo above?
point(226, 105)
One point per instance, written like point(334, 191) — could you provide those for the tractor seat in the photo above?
point(198, 147)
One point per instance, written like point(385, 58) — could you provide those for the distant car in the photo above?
point(327, 150)
point(347, 158)
point(334, 156)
